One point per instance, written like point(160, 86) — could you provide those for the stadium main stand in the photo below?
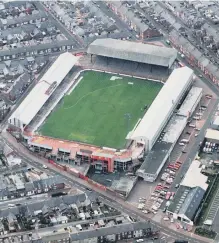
point(133, 51)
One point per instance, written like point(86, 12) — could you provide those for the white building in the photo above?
point(162, 107)
point(212, 136)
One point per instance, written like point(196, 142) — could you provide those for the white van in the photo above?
point(139, 240)
point(166, 219)
point(11, 205)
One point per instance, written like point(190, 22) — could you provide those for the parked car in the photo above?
point(208, 96)
point(167, 187)
point(181, 144)
point(168, 195)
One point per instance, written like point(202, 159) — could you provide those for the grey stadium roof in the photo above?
point(133, 51)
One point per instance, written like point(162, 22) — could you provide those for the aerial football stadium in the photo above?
point(91, 113)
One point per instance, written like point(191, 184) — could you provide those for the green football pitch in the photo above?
point(95, 112)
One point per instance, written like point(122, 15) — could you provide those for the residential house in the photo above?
point(45, 210)
point(19, 86)
point(2, 228)
point(24, 36)
point(63, 207)
point(11, 220)
point(61, 237)
point(36, 34)
point(29, 188)
point(62, 219)
point(2, 67)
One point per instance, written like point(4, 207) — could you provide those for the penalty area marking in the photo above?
point(66, 108)
point(113, 78)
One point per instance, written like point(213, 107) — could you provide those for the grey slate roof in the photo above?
point(132, 51)
point(155, 157)
point(55, 237)
point(39, 205)
point(187, 201)
point(44, 46)
point(20, 20)
point(192, 202)
point(127, 227)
